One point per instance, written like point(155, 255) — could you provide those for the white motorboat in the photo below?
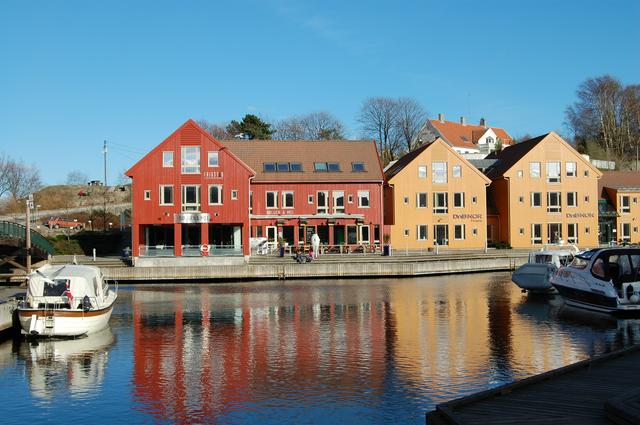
point(534, 276)
point(66, 301)
point(606, 280)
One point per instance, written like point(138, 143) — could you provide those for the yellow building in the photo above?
point(435, 196)
point(542, 191)
point(620, 193)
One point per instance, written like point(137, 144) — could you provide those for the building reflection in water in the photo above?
point(207, 353)
point(59, 367)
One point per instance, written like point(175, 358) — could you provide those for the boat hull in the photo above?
point(63, 323)
point(534, 277)
point(595, 301)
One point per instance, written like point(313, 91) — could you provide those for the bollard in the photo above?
point(94, 254)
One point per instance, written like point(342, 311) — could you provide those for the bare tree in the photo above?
point(219, 131)
point(4, 175)
point(378, 118)
point(409, 120)
point(21, 179)
point(290, 129)
point(77, 177)
point(312, 126)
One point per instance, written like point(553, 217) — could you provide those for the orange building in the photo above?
point(542, 191)
point(619, 212)
point(435, 197)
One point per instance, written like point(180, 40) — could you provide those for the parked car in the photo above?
point(68, 223)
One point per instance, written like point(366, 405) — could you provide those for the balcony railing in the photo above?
point(191, 250)
point(156, 251)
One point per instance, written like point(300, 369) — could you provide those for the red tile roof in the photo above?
point(464, 136)
point(620, 180)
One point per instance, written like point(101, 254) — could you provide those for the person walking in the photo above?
point(315, 244)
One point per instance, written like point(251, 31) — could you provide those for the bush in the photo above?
point(500, 245)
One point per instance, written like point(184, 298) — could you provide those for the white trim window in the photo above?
point(422, 232)
point(421, 200)
point(553, 172)
point(191, 197)
point(212, 159)
point(234, 195)
point(287, 199)
point(536, 199)
point(338, 202)
point(364, 233)
point(571, 169)
point(323, 202)
point(310, 199)
point(458, 200)
point(167, 159)
point(363, 199)
point(439, 170)
point(625, 205)
point(458, 232)
point(572, 199)
point(166, 194)
point(625, 232)
point(536, 234)
point(271, 199)
point(457, 171)
point(554, 232)
point(554, 202)
point(440, 203)
point(147, 195)
point(534, 170)
point(422, 171)
point(572, 233)
point(215, 194)
point(190, 159)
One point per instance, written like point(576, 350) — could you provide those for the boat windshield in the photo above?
point(55, 288)
point(566, 259)
point(543, 258)
point(579, 262)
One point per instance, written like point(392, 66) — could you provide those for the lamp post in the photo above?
point(91, 225)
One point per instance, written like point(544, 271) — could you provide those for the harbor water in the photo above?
point(327, 351)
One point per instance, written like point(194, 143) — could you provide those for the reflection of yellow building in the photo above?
point(622, 191)
point(544, 192)
point(435, 196)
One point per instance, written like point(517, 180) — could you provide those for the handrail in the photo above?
point(19, 231)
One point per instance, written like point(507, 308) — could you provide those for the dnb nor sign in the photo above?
point(471, 217)
point(581, 215)
point(191, 218)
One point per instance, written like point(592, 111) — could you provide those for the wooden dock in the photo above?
point(601, 390)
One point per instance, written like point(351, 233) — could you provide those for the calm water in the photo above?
point(334, 351)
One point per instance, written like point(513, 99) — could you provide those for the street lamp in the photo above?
point(91, 225)
point(110, 224)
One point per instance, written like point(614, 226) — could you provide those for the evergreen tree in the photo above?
point(252, 127)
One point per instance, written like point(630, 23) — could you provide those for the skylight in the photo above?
point(357, 166)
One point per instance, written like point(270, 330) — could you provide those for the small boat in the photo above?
point(66, 301)
point(606, 280)
point(534, 276)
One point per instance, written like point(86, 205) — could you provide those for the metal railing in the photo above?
point(271, 248)
point(156, 251)
point(19, 231)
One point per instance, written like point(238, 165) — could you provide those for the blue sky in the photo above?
point(74, 73)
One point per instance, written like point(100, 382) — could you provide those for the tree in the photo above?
point(21, 179)
point(409, 121)
point(312, 126)
point(77, 178)
point(252, 127)
point(219, 131)
point(4, 182)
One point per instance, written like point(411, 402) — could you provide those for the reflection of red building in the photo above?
point(194, 363)
point(196, 196)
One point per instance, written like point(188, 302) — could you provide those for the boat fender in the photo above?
point(632, 295)
point(33, 325)
point(86, 303)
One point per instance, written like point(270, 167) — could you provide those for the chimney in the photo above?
point(463, 121)
point(483, 122)
point(441, 117)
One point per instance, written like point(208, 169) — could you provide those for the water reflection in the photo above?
point(313, 351)
point(58, 367)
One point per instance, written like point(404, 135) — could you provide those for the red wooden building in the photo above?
point(196, 196)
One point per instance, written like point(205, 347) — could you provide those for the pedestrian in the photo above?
point(315, 244)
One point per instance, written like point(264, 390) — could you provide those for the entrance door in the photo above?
point(441, 233)
point(272, 233)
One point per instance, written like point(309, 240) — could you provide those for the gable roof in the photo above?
point(466, 136)
point(400, 164)
point(306, 152)
point(620, 180)
point(194, 131)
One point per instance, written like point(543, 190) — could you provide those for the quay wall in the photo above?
point(292, 270)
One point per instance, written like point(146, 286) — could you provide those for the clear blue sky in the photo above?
point(73, 73)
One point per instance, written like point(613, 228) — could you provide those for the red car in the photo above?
point(58, 222)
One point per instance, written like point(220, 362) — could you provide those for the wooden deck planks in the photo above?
point(573, 394)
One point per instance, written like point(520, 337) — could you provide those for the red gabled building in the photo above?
point(194, 196)
point(190, 191)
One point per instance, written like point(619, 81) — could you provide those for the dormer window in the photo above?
point(357, 166)
point(489, 140)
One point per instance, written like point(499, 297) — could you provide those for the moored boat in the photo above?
point(66, 301)
point(606, 280)
point(534, 275)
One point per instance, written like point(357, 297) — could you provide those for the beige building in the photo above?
point(620, 207)
point(542, 191)
point(435, 196)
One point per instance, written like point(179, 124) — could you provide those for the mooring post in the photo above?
point(94, 254)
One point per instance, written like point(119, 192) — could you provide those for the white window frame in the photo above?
point(461, 198)
point(362, 195)
point(147, 195)
point(324, 209)
point(310, 199)
point(532, 199)
point(535, 169)
point(193, 206)
point(426, 202)
point(422, 171)
point(571, 169)
point(536, 240)
point(335, 195)
point(462, 228)
point(439, 175)
point(554, 171)
point(210, 156)
point(440, 209)
point(285, 204)
point(625, 236)
point(162, 197)
point(167, 159)
point(361, 234)
point(554, 208)
point(456, 171)
point(572, 239)
point(575, 200)
point(234, 194)
point(424, 227)
point(219, 190)
point(549, 237)
point(275, 199)
point(187, 165)
point(625, 209)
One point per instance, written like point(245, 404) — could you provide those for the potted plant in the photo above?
point(281, 245)
point(386, 247)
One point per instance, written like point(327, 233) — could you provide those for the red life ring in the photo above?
point(204, 249)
